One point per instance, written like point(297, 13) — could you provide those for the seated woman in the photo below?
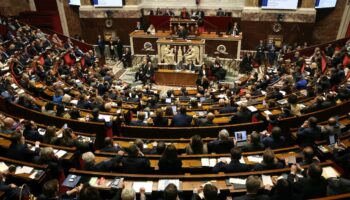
point(151, 29)
point(196, 146)
point(50, 136)
point(170, 162)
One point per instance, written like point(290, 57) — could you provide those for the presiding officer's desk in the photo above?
point(225, 46)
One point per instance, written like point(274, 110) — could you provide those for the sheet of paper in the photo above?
point(252, 108)
point(27, 170)
point(329, 172)
point(205, 162)
point(267, 112)
point(165, 182)
point(242, 160)
point(266, 180)
point(3, 167)
point(19, 170)
point(212, 162)
point(292, 159)
point(60, 153)
point(32, 176)
point(240, 181)
point(148, 185)
point(225, 159)
point(256, 159)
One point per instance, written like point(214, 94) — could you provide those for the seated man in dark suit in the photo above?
point(309, 132)
point(181, 118)
point(276, 140)
point(242, 116)
point(135, 162)
point(254, 143)
point(108, 146)
point(234, 166)
point(208, 121)
point(182, 32)
point(314, 185)
point(18, 150)
point(104, 166)
point(221, 145)
point(140, 120)
point(210, 192)
point(227, 107)
point(269, 162)
point(253, 184)
point(184, 94)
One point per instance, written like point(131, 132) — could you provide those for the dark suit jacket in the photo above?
point(135, 165)
point(181, 120)
point(166, 166)
point(261, 167)
point(233, 166)
point(220, 146)
point(252, 197)
point(22, 152)
point(227, 109)
point(251, 147)
point(105, 166)
point(311, 188)
point(274, 144)
point(307, 136)
point(160, 122)
point(241, 117)
point(137, 123)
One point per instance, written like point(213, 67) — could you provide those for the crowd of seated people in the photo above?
point(103, 88)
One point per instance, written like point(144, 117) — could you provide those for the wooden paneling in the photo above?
point(91, 27)
point(253, 31)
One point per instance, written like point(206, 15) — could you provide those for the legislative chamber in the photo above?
point(175, 99)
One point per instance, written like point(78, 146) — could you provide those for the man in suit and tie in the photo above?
point(182, 119)
point(140, 120)
point(120, 49)
point(101, 45)
point(253, 184)
point(135, 162)
point(182, 32)
point(104, 166)
point(234, 166)
point(148, 73)
point(221, 145)
point(139, 26)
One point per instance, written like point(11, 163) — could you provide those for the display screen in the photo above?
point(280, 4)
point(108, 3)
point(74, 2)
point(325, 3)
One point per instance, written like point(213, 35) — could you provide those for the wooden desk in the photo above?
point(175, 78)
point(224, 46)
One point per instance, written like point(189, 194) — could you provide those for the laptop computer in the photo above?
point(168, 100)
point(241, 138)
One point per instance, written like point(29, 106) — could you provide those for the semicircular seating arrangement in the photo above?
point(67, 116)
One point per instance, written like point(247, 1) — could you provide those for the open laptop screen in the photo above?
point(241, 136)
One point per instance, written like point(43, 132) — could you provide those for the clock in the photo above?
point(108, 23)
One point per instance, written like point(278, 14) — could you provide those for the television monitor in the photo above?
point(325, 3)
point(280, 4)
point(108, 3)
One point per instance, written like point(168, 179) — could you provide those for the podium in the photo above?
point(173, 51)
point(189, 24)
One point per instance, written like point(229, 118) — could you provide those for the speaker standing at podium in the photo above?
point(182, 32)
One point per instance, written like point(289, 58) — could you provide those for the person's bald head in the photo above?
point(8, 122)
point(210, 117)
point(332, 121)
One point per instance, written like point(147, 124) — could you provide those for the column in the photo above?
point(63, 18)
point(345, 21)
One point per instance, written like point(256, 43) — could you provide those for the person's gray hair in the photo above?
point(46, 151)
point(128, 194)
point(224, 134)
point(88, 157)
